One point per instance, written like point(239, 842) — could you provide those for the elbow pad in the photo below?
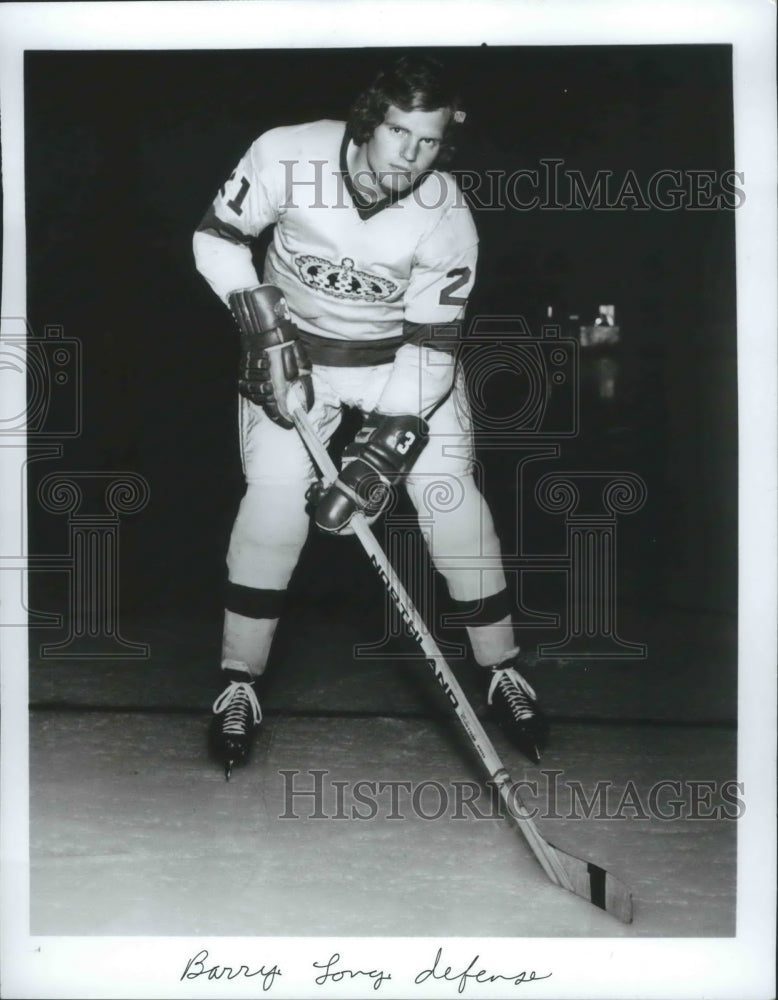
point(421, 377)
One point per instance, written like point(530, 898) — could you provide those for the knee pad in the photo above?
point(268, 536)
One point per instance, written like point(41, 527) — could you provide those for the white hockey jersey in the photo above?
point(369, 276)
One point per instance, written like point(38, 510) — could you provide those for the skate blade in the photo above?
point(533, 753)
point(530, 748)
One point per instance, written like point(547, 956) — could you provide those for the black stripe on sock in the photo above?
point(252, 602)
point(487, 610)
point(596, 884)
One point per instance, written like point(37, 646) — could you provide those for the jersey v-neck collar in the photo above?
point(367, 209)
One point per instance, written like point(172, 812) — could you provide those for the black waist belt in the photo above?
point(350, 353)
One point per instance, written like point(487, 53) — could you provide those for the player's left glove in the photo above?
point(385, 449)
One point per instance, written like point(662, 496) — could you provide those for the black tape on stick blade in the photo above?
point(597, 884)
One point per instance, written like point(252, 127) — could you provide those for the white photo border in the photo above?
point(742, 966)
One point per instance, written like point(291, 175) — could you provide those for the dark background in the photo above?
point(125, 150)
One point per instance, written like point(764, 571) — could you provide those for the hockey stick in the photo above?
point(578, 876)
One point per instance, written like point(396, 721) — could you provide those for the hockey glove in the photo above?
point(272, 357)
point(385, 449)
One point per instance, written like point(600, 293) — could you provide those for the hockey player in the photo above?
point(365, 284)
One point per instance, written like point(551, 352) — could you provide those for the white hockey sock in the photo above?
point(247, 641)
point(492, 643)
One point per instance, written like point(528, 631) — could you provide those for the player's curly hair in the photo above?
point(413, 83)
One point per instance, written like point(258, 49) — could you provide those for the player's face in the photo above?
point(404, 145)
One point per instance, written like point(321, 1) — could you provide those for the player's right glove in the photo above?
point(272, 356)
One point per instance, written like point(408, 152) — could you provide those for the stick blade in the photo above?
point(597, 885)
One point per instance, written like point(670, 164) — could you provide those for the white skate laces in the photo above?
point(515, 690)
point(235, 701)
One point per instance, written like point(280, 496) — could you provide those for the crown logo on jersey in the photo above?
point(343, 281)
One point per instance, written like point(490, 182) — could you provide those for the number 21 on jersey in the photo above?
point(236, 202)
point(461, 276)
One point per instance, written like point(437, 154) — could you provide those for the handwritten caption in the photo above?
point(333, 970)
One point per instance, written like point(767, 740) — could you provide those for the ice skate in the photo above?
point(513, 703)
point(237, 716)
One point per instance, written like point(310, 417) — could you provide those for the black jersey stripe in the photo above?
point(350, 353)
point(363, 353)
point(445, 337)
point(212, 224)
